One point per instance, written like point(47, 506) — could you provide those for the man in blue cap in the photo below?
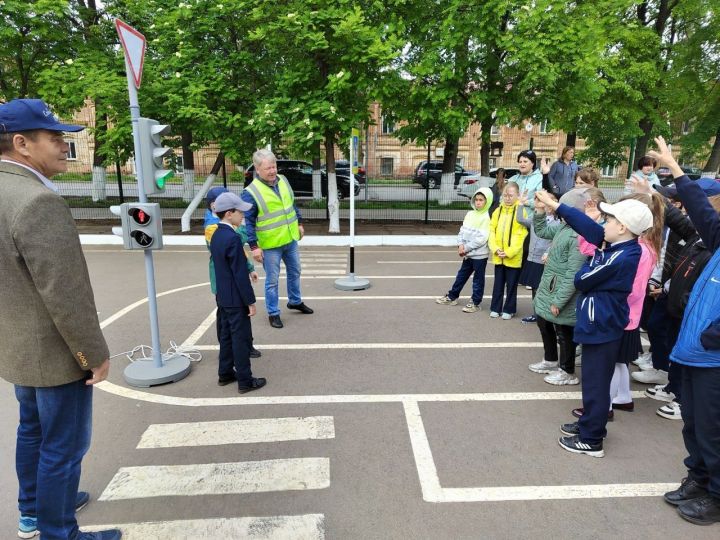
point(55, 350)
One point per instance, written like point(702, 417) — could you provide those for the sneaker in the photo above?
point(507, 316)
point(671, 411)
point(578, 356)
point(543, 367)
point(644, 358)
point(576, 446)
point(494, 314)
point(561, 377)
point(658, 392)
point(571, 429)
point(445, 301)
point(27, 525)
point(529, 319)
point(472, 308)
point(651, 376)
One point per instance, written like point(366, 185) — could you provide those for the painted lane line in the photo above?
point(433, 492)
point(351, 346)
point(290, 474)
point(446, 261)
point(302, 527)
point(199, 332)
point(385, 297)
point(237, 432)
point(139, 395)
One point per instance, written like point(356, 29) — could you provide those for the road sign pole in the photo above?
point(162, 369)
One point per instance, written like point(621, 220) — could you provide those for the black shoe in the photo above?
point(701, 511)
point(275, 321)
point(258, 382)
point(689, 489)
point(254, 353)
point(223, 381)
point(570, 429)
point(576, 446)
point(301, 307)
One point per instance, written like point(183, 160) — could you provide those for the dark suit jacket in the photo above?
point(233, 283)
point(49, 327)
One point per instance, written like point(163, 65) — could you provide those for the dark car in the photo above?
point(666, 177)
point(299, 174)
point(421, 174)
point(342, 168)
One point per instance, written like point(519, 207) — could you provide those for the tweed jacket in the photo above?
point(49, 326)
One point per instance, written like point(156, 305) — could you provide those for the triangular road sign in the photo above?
point(134, 44)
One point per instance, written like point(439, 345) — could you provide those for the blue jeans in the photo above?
point(290, 255)
point(467, 267)
point(52, 438)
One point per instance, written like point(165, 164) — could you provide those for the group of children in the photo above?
point(598, 272)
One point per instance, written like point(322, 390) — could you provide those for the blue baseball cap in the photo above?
point(214, 193)
point(28, 114)
point(709, 185)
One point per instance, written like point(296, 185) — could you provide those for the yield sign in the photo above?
point(134, 44)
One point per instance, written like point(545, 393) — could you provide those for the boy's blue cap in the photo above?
point(28, 114)
point(709, 185)
point(230, 201)
point(214, 193)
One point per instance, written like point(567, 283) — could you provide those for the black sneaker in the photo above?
point(256, 383)
point(689, 489)
point(576, 446)
point(254, 353)
point(225, 380)
point(571, 429)
point(701, 511)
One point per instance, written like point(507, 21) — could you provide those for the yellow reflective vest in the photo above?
point(277, 223)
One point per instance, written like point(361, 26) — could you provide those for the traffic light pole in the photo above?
point(163, 368)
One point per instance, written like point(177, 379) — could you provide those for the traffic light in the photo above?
point(141, 225)
point(152, 156)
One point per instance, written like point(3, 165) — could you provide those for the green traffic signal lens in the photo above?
point(161, 180)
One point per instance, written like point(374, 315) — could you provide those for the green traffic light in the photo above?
point(162, 179)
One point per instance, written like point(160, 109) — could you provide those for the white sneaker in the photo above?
point(543, 367)
point(651, 376)
point(471, 308)
point(507, 316)
point(494, 314)
point(445, 301)
point(658, 392)
point(646, 367)
point(578, 356)
point(645, 358)
point(560, 378)
point(671, 411)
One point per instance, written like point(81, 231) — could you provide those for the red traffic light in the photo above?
point(139, 216)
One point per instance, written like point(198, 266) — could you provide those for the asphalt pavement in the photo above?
point(385, 416)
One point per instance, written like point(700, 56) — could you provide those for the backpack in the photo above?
point(691, 264)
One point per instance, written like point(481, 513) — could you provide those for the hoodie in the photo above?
point(475, 229)
point(530, 183)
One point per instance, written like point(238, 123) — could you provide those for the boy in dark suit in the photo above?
point(235, 297)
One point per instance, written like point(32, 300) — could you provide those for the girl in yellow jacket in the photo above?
point(507, 236)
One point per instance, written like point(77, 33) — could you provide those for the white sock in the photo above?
point(622, 394)
point(615, 385)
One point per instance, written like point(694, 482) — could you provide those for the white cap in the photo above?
point(635, 215)
point(229, 201)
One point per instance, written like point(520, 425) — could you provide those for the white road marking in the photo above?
point(255, 430)
point(453, 261)
point(302, 527)
point(433, 492)
point(383, 297)
point(415, 345)
point(290, 474)
point(199, 332)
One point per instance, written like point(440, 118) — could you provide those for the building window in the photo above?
point(179, 164)
point(543, 127)
point(609, 171)
point(72, 152)
point(494, 130)
point(686, 127)
point(388, 126)
point(386, 166)
point(492, 162)
point(496, 148)
point(459, 160)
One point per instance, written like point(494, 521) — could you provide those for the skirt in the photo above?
point(630, 346)
point(531, 273)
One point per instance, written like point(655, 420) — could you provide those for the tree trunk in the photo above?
point(316, 174)
point(447, 180)
point(642, 141)
point(332, 192)
point(188, 166)
point(713, 163)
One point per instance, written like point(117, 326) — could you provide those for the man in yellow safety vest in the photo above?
point(274, 229)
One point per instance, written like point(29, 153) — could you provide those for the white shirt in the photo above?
point(45, 180)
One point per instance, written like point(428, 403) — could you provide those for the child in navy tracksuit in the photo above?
point(697, 350)
point(604, 283)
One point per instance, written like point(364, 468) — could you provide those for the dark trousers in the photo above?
point(506, 279)
point(674, 384)
point(567, 347)
point(701, 432)
point(657, 328)
point(218, 326)
point(598, 366)
point(549, 339)
point(235, 343)
point(467, 268)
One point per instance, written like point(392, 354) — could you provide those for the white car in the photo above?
point(470, 184)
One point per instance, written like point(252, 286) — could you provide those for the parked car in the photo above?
point(342, 167)
point(299, 174)
point(421, 174)
point(470, 184)
point(666, 177)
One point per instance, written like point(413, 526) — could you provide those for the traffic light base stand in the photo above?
point(144, 373)
point(352, 283)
